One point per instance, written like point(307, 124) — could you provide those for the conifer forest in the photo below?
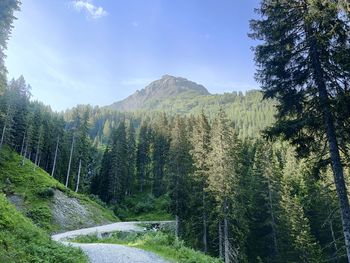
point(255, 176)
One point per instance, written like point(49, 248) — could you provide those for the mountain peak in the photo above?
point(166, 87)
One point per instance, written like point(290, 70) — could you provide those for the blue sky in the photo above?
point(100, 51)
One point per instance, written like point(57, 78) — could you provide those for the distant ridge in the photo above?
point(166, 87)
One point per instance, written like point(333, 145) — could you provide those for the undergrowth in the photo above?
point(144, 207)
point(161, 243)
point(22, 241)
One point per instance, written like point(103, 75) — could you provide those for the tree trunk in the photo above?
point(37, 153)
point(334, 240)
point(142, 180)
point(177, 226)
point(204, 216)
point(78, 180)
point(273, 221)
point(226, 240)
point(25, 152)
point(23, 141)
point(55, 158)
point(3, 135)
point(220, 241)
point(70, 162)
point(332, 144)
point(5, 127)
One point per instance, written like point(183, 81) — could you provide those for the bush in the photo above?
point(46, 193)
point(97, 200)
point(41, 216)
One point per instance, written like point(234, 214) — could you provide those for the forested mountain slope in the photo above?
point(248, 113)
point(44, 200)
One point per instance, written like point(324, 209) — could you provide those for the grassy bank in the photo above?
point(33, 193)
point(161, 243)
point(22, 241)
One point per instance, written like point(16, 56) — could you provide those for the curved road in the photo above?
point(110, 253)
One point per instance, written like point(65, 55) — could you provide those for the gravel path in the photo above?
point(110, 253)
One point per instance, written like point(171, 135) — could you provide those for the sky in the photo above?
point(100, 51)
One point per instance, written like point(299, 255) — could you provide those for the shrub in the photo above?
point(46, 193)
point(41, 216)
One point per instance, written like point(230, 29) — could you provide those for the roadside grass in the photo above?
point(144, 207)
point(22, 241)
point(35, 191)
point(161, 243)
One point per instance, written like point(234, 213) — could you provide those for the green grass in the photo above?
point(22, 241)
point(161, 243)
point(36, 189)
point(144, 207)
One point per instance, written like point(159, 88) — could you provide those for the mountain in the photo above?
point(248, 111)
point(164, 88)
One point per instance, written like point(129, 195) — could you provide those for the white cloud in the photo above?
point(89, 8)
point(135, 24)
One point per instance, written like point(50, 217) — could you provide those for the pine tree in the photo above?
point(131, 157)
point(7, 9)
point(159, 155)
point(223, 179)
point(262, 192)
point(179, 168)
point(199, 153)
point(83, 149)
point(303, 242)
point(301, 64)
point(118, 171)
point(142, 156)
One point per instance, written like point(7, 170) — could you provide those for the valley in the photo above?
point(250, 163)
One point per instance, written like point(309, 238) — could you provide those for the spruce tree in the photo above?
point(200, 152)
point(7, 9)
point(179, 168)
point(304, 246)
point(118, 171)
point(223, 181)
point(160, 151)
point(301, 64)
point(131, 158)
point(142, 156)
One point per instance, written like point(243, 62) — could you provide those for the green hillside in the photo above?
point(22, 241)
point(44, 200)
point(249, 112)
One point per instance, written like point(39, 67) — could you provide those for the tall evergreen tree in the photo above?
point(160, 151)
point(179, 168)
point(7, 9)
point(223, 181)
point(131, 158)
point(118, 170)
point(142, 156)
point(301, 64)
point(200, 153)
point(304, 247)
